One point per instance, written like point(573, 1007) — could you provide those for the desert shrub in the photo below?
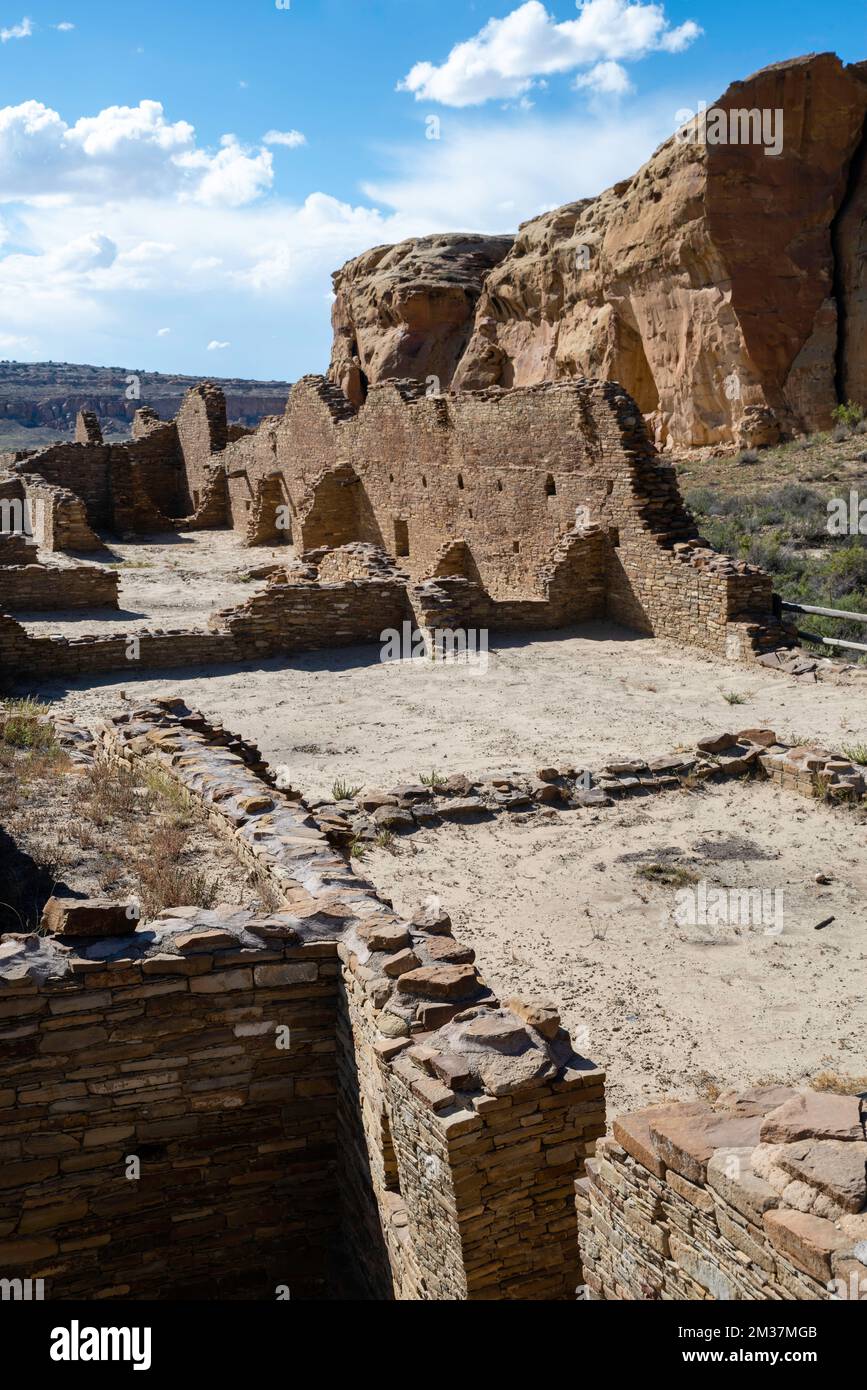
point(25, 724)
point(847, 416)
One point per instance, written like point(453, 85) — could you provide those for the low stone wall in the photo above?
point(293, 617)
point(409, 807)
point(761, 1196)
point(45, 587)
point(23, 656)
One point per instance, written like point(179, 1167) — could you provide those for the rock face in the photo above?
point(724, 286)
point(408, 310)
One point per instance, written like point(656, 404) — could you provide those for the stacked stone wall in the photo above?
point(35, 587)
point(761, 1196)
point(169, 1056)
point(449, 1128)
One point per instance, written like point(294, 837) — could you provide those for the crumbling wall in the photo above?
point(85, 468)
point(59, 516)
point(506, 474)
point(35, 587)
point(760, 1196)
point(202, 432)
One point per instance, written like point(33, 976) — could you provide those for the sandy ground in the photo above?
point(166, 581)
point(597, 692)
point(558, 909)
point(553, 906)
point(580, 698)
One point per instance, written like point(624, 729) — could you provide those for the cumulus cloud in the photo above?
point(17, 31)
point(608, 79)
point(64, 27)
point(96, 261)
point(163, 332)
point(508, 56)
point(290, 138)
point(122, 151)
point(216, 346)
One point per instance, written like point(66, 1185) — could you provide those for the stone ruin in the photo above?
point(527, 509)
point(330, 1100)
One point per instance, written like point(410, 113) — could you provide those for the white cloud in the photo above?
point(64, 27)
point(17, 31)
point(101, 260)
point(123, 151)
point(489, 177)
point(230, 178)
point(509, 55)
point(163, 332)
point(290, 138)
point(215, 346)
point(609, 78)
point(9, 342)
point(95, 251)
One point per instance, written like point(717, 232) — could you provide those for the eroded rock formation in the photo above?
point(408, 310)
point(723, 285)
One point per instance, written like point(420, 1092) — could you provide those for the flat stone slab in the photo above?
point(440, 982)
point(64, 916)
point(808, 1241)
point(687, 1143)
point(632, 1132)
point(461, 806)
point(814, 1115)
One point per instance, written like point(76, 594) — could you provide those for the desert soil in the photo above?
point(558, 909)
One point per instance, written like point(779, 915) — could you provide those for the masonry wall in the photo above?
point(171, 1059)
point(760, 1197)
point(45, 587)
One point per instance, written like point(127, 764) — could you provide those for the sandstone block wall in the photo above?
point(760, 1197)
point(505, 474)
point(163, 1049)
point(458, 1125)
point(44, 587)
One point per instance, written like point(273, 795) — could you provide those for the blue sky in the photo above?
point(178, 181)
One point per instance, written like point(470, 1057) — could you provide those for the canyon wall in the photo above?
point(722, 286)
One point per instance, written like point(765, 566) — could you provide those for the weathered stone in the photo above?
point(729, 1173)
point(440, 982)
point(833, 1166)
point(686, 1142)
point(543, 1017)
point(814, 1114)
point(400, 963)
point(808, 1241)
point(69, 916)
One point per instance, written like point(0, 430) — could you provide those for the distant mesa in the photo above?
point(40, 401)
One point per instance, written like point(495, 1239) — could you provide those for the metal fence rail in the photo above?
point(840, 613)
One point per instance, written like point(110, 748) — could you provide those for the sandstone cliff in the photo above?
point(408, 310)
point(723, 286)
